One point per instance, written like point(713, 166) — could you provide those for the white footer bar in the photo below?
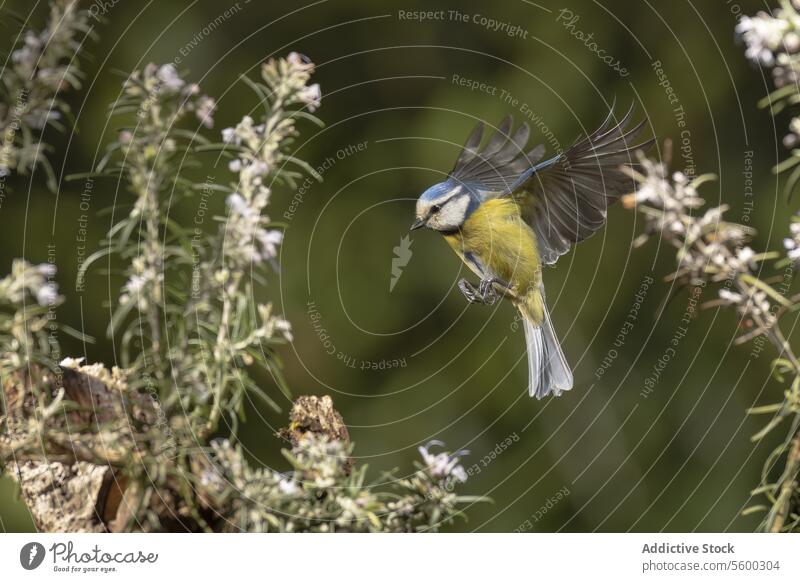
point(332, 557)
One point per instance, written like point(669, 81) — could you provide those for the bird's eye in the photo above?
point(435, 208)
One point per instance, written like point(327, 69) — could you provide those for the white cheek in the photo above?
point(453, 214)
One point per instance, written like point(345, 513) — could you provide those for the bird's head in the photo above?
point(444, 206)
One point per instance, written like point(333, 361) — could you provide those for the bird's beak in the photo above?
point(418, 223)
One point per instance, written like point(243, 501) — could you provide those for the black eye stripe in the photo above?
point(437, 207)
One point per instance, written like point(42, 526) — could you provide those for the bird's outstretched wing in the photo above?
point(500, 164)
point(565, 198)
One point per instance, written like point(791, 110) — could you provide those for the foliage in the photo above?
point(322, 494)
point(773, 41)
point(39, 69)
point(189, 325)
point(712, 251)
point(27, 295)
point(195, 346)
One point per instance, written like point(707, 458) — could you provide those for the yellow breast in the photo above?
point(497, 236)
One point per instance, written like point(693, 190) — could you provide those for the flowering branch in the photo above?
point(323, 493)
point(39, 69)
point(710, 250)
point(136, 441)
point(260, 160)
point(773, 41)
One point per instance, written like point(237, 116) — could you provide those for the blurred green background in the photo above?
point(676, 458)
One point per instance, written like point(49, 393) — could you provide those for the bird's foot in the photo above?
point(487, 290)
point(469, 291)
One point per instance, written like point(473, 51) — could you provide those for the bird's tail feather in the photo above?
point(548, 371)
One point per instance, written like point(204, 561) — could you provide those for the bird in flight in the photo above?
point(506, 213)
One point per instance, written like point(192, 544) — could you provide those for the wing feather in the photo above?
point(502, 160)
point(565, 199)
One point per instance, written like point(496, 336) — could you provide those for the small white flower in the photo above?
point(791, 42)
point(135, 284)
point(47, 294)
point(285, 328)
point(288, 486)
point(649, 192)
point(730, 296)
point(459, 474)
point(239, 205)
point(270, 240)
point(746, 256)
point(168, 75)
point(192, 89)
point(205, 111)
point(792, 244)
point(258, 168)
point(311, 96)
point(442, 465)
point(46, 269)
point(792, 248)
point(299, 62)
point(32, 40)
point(235, 165)
point(71, 362)
point(22, 55)
point(228, 135)
point(763, 35)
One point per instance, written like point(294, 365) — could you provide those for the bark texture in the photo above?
point(65, 457)
point(70, 457)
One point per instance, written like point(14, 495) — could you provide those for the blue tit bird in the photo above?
point(506, 214)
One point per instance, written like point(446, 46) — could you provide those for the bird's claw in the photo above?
point(487, 291)
point(469, 291)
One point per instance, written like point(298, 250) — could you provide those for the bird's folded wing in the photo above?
point(565, 199)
